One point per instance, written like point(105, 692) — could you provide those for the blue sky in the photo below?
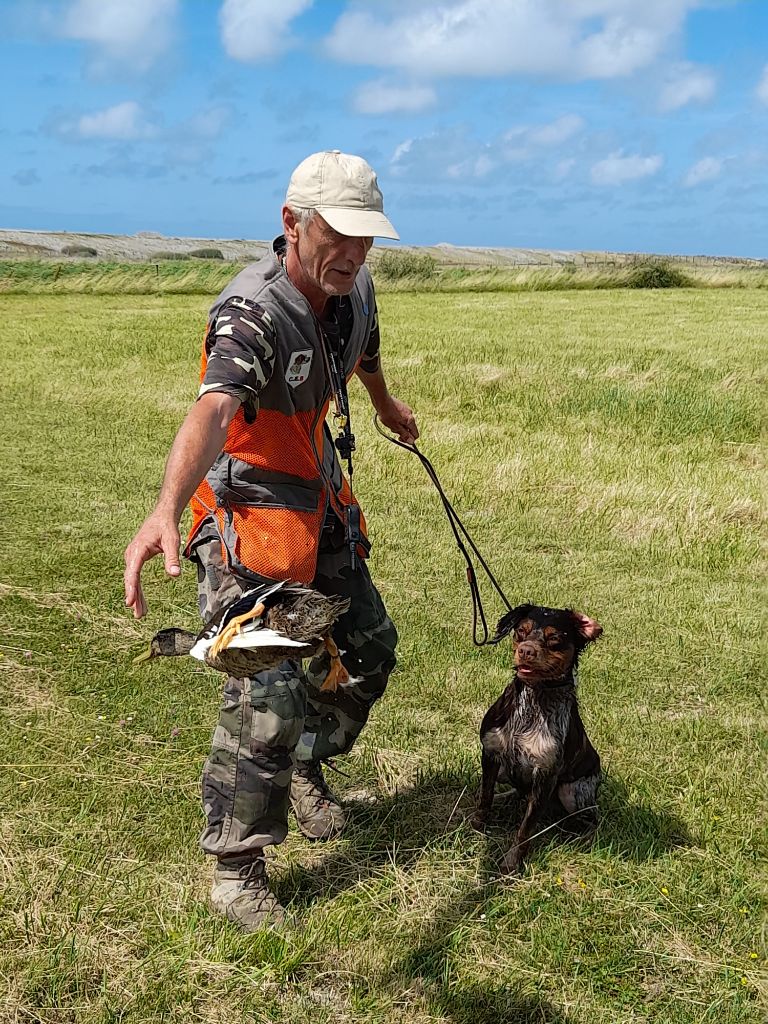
point(584, 124)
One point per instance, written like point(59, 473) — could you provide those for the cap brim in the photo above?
point(357, 223)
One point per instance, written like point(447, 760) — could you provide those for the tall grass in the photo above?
point(605, 448)
point(411, 272)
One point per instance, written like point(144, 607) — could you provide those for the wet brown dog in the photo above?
point(533, 735)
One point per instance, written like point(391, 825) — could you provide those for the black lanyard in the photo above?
point(345, 439)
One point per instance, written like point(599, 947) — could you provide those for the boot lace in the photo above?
point(252, 874)
point(312, 772)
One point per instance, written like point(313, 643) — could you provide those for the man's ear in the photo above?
point(588, 629)
point(290, 225)
point(508, 622)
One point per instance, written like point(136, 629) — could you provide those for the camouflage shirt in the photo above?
point(240, 348)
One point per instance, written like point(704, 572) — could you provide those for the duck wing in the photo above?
point(305, 614)
point(242, 624)
point(240, 606)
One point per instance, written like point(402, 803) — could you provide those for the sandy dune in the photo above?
point(145, 244)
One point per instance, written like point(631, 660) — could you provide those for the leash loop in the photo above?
point(460, 535)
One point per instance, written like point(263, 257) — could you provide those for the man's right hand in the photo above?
point(159, 535)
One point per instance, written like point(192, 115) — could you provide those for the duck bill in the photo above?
point(146, 656)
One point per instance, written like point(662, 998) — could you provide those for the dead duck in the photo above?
point(258, 630)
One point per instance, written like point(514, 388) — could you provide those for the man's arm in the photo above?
point(200, 439)
point(394, 414)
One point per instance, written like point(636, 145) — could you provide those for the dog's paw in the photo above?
point(511, 864)
point(479, 821)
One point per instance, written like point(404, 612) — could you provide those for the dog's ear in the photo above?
point(588, 629)
point(508, 622)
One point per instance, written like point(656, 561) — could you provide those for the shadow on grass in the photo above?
point(398, 827)
point(436, 808)
point(433, 814)
point(636, 831)
point(631, 831)
point(437, 962)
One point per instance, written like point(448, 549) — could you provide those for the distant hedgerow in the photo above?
point(658, 274)
point(393, 265)
point(79, 250)
point(207, 254)
point(164, 254)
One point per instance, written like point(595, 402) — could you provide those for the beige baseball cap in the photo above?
point(344, 191)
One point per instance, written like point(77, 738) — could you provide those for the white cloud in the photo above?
point(381, 97)
point(255, 30)
point(556, 132)
point(124, 121)
point(473, 167)
point(704, 170)
point(522, 143)
point(617, 169)
point(453, 153)
point(128, 32)
point(687, 83)
point(571, 39)
point(208, 123)
point(762, 86)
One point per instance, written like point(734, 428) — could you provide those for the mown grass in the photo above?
point(605, 450)
point(202, 277)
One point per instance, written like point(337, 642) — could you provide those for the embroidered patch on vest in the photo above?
point(298, 367)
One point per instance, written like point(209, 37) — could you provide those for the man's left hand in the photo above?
point(398, 417)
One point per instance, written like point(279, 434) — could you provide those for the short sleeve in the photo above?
point(369, 362)
point(240, 346)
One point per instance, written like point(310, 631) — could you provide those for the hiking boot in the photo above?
point(241, 893)
point(318, 813)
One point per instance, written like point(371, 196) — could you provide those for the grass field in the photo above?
point(605, 450)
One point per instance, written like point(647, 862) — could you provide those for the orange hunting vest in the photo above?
point(268, 491)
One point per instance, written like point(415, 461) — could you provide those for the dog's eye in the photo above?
point(557, 643)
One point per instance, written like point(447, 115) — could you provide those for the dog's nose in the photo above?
point(526, 651)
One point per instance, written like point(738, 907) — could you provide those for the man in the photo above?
point(258, 465)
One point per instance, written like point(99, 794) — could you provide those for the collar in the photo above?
point(569, 679)
point(279, 248)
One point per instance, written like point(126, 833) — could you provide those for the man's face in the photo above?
point(329, 261)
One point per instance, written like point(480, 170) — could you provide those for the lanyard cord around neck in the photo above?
point(334, 365)
point(345, 439)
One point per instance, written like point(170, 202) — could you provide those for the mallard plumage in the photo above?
point(261, 628)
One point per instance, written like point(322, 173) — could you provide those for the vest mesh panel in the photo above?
point(277, 542)
point(275, 441)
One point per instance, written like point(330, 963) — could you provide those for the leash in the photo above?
point(459, 532)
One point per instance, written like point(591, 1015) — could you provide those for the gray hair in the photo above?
point(303, 214)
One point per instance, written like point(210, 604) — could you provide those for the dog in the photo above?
point(533, 736)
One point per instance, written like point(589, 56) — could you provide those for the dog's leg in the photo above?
point(542, 787)
point(579, 798)
point(490, 766)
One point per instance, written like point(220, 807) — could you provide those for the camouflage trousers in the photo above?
point(268, 723)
